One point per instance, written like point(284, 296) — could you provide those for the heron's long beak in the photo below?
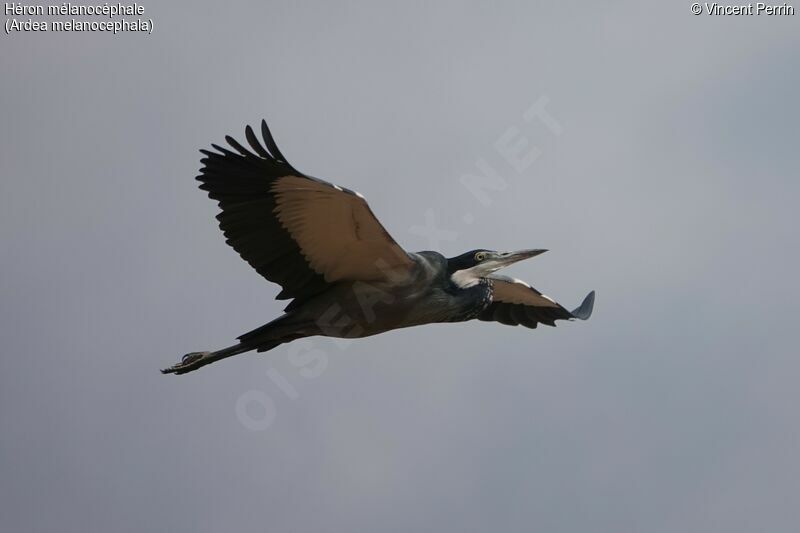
point(509, 258)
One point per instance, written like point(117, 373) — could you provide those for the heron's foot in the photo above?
point(189, 362)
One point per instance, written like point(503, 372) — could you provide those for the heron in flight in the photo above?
point(344, 274)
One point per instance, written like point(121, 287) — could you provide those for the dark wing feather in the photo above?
point(514, 302)
point(300, 232)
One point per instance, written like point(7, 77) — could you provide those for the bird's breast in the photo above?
point(472, 301)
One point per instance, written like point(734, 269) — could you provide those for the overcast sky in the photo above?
point(661, 169)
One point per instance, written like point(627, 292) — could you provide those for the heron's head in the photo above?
point(468, 268)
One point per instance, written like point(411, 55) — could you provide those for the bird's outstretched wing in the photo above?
point(300, 232)
point(514, 302)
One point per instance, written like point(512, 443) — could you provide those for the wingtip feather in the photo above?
point(584, 311)
point(252, 140)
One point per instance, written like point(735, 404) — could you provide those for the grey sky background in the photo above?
point(671, 189)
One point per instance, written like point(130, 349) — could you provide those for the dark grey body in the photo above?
point(426, 295)
point(360, 309)
point(433, 289)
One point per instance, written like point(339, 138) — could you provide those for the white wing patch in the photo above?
point(535, 299)
point(515, 280)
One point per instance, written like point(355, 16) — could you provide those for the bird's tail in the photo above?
point(283, 329)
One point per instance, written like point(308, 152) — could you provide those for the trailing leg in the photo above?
point(193, 361)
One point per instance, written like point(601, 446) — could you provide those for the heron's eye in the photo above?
point(480, 256)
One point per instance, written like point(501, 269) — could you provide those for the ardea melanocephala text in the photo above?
point(346, 276)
